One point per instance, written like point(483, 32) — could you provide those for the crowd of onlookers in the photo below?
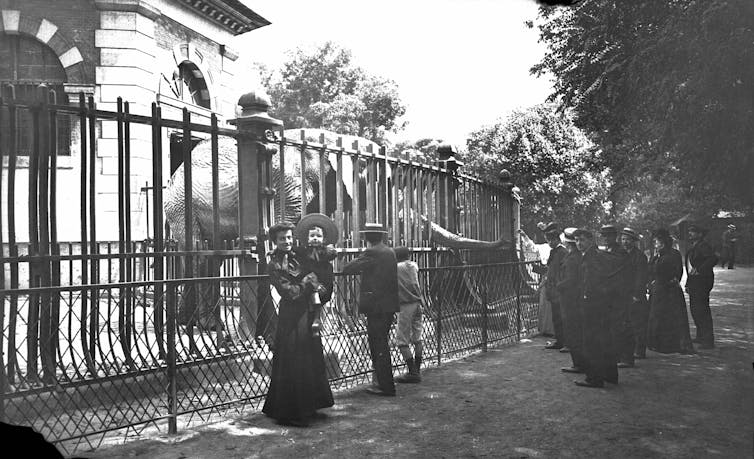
point(608, 302)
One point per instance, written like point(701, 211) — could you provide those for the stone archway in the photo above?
point(16, 22)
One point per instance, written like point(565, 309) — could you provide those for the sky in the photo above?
point(459, 64)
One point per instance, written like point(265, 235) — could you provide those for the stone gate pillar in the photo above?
point(255, 195)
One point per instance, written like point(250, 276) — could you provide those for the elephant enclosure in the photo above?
point(137, 299)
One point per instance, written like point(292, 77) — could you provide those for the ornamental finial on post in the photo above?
point(255, 105)
point(447, 155)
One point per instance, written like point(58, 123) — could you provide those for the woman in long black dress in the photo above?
point(298, 384)
point(667, 303)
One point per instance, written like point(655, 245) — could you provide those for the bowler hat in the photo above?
point(609, 229)
point(732, 226)
point(551, 227)
point(630, 233)
point(695, 227)
point(373, 228)
point(309, 221)
point(568, 234)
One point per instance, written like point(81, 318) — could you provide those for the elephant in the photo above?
point(465, 250)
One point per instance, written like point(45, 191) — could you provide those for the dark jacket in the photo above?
point(554, 262)
point(702, 257)
point(568, 280)
point(638, 274)
point(379, 279)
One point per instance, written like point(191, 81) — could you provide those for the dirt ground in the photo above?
point(514, 402)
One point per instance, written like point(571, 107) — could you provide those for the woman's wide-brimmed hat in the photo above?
point(321, 220)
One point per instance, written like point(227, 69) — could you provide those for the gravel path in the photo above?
point(513, 402)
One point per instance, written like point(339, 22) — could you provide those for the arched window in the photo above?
point(189, 86)
point(26, 63)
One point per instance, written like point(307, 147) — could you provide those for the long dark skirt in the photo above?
point(298, 384)
point(668, 320)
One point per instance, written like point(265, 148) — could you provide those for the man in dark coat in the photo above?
point(636, 279)
point(700, 259)
point(596, 315)
point(570, 306)
point(621, 332)
point(557, 254)
point(378, 300)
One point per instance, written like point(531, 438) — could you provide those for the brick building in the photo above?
point(170, 51)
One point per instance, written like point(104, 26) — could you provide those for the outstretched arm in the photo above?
point(357, 265)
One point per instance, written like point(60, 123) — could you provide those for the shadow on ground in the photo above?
point(513, 402)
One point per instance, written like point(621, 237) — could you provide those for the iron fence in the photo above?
point(150, 371)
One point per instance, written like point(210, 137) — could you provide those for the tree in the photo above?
point(324, 89)
point(558, 169)
point(666, 89)
point(422, 150)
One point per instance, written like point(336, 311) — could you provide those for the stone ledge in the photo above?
point(142, 7)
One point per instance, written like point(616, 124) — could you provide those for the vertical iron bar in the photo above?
point(338, 191)
point(322, 176)
point(84, 238)
point(3, 376)
point(370, 182)
point(384, 188)
point(32, 335)
point(129, 298)
point(215, 186)
point(159, 238)
point(189, 303)
point(282, 194)
point(122, 295)
point(12, 247)
point(94, 266)
point(302, 177)
point(355, 195)
point(54, 247)
point(395, 177)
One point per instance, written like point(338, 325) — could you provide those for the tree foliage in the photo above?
point(558, 168)
point(324, 89)
point(667, 89)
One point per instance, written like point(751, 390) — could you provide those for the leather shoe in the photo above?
point(565, 350)
point(378, 391)
point(589, 384)
point(571, 370)
point(625, 365)
point(554, 346)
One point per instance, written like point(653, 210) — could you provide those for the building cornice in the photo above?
point(232, 15)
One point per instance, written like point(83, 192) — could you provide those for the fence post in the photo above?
point(255, 127)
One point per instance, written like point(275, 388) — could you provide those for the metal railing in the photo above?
point(147, 371)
